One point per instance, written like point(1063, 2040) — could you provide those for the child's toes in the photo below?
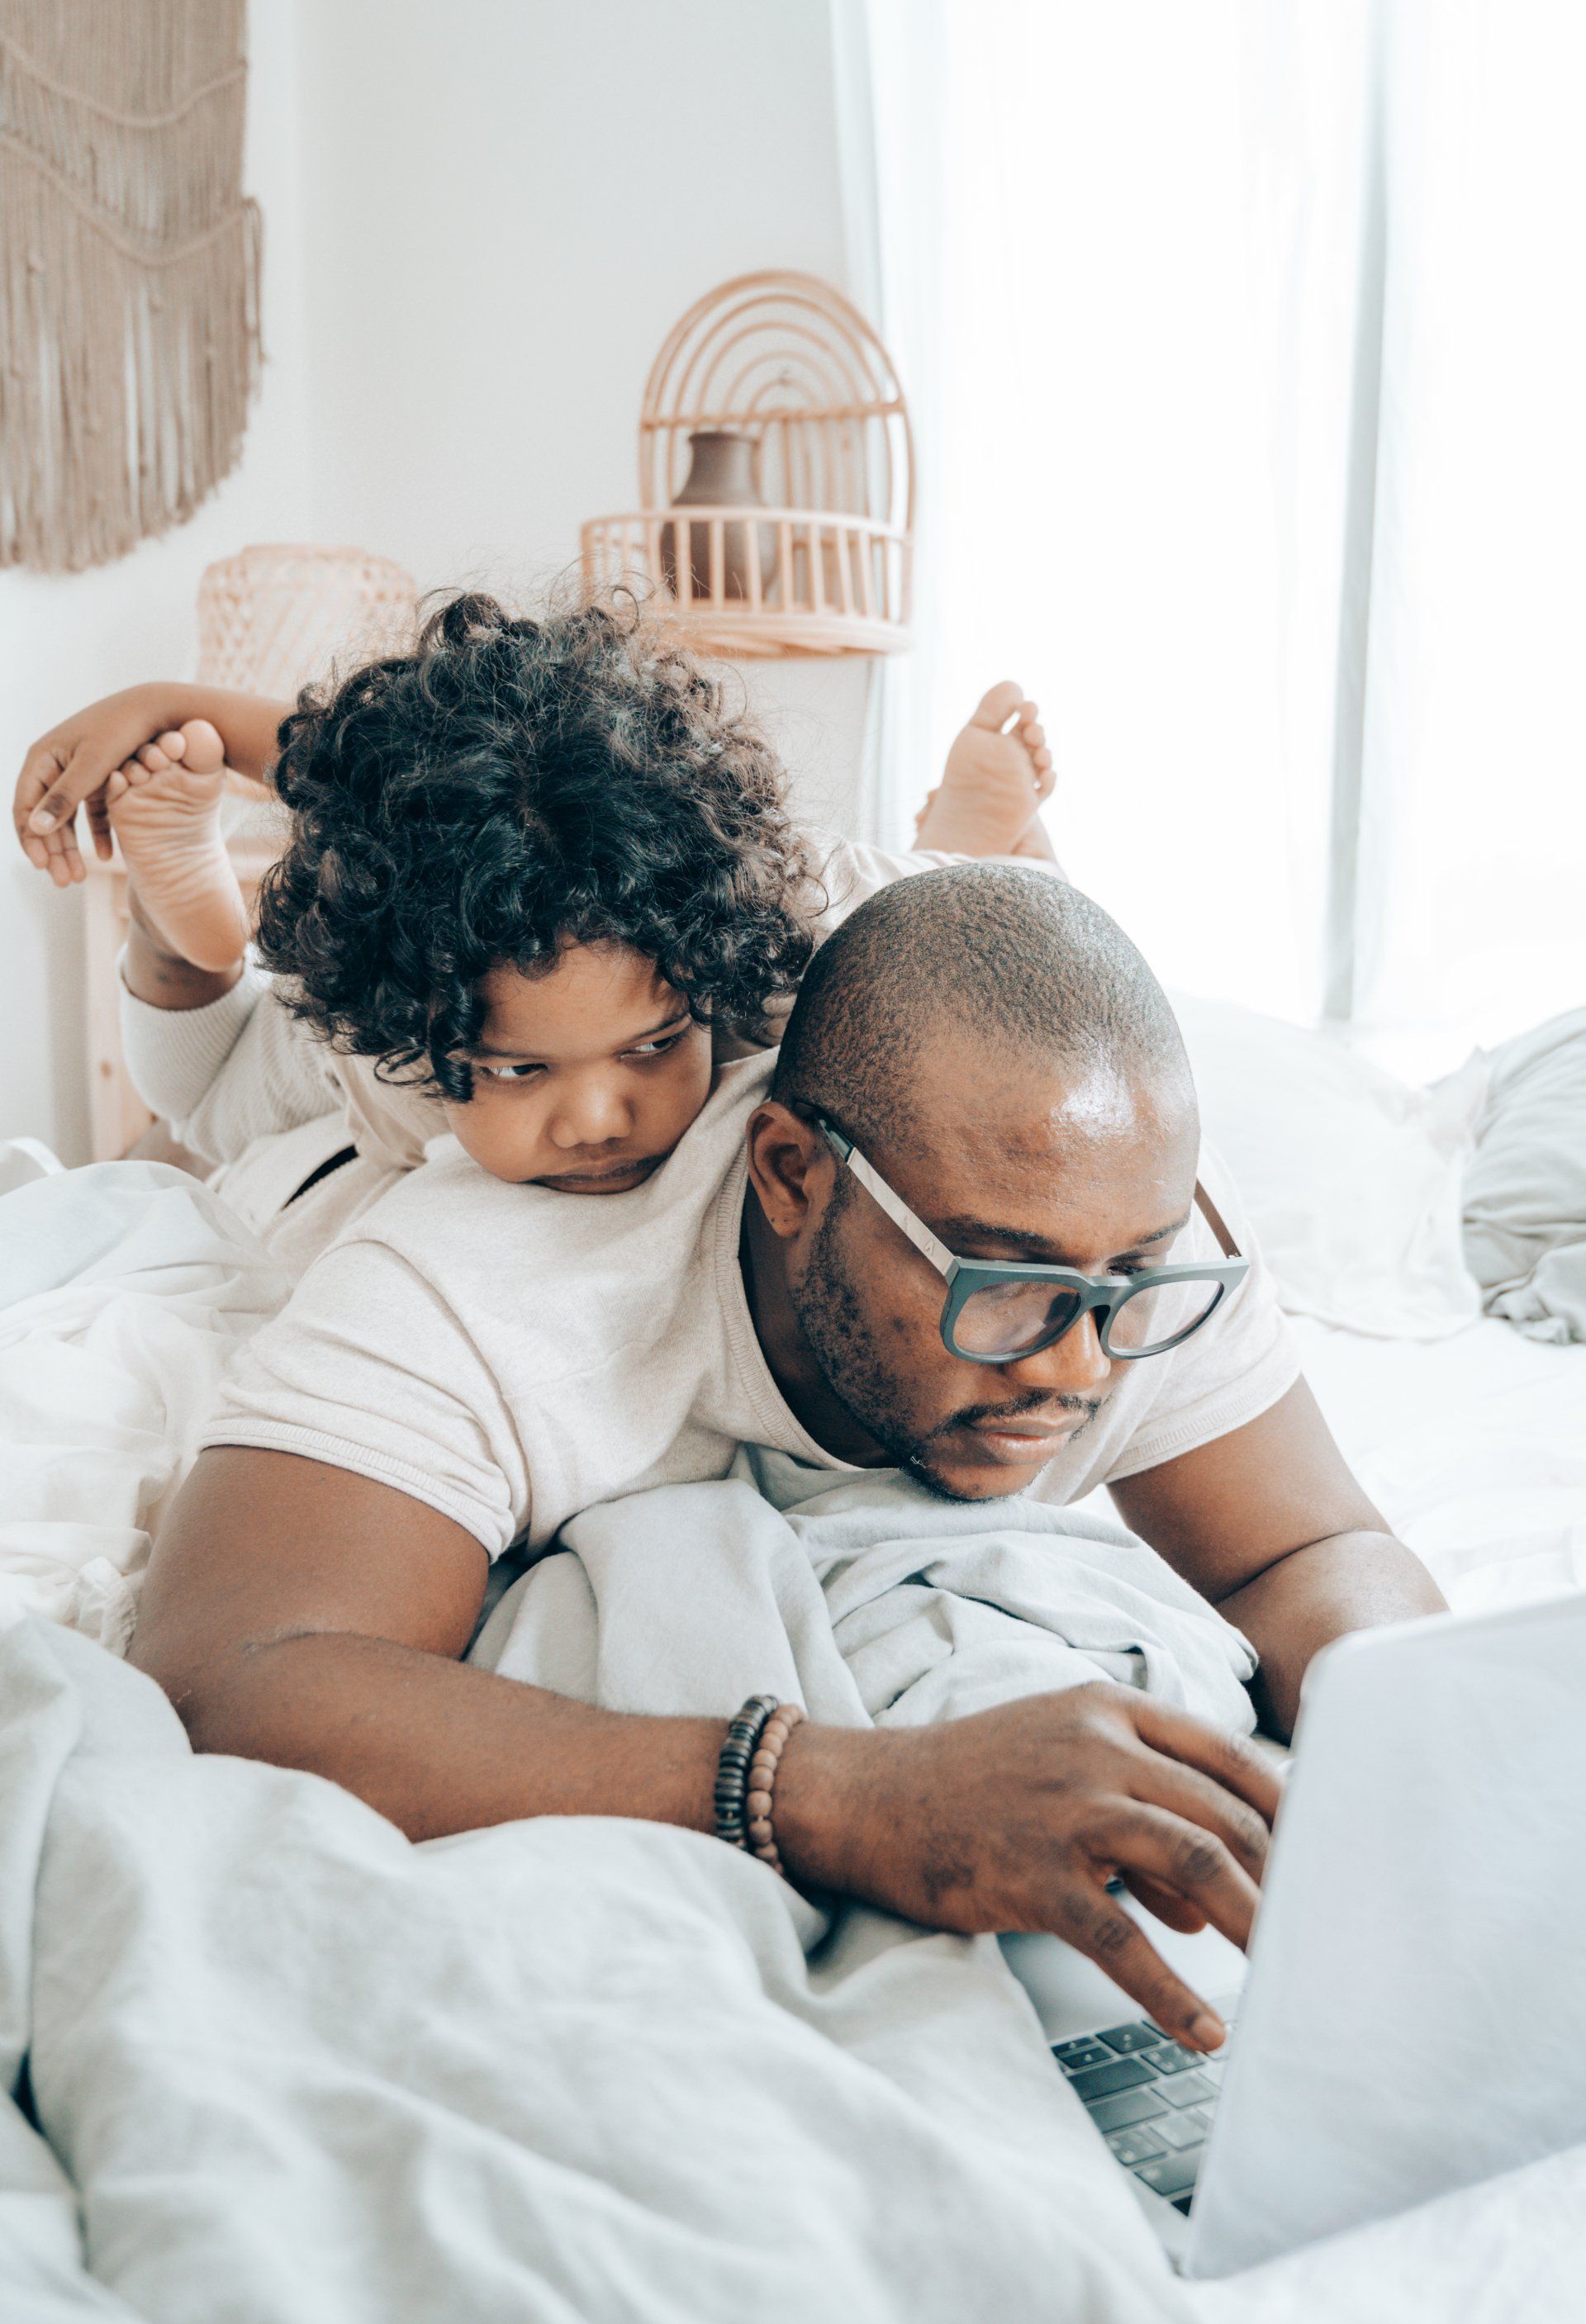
point(154, 758)
point(997, 706)
point(202, 750)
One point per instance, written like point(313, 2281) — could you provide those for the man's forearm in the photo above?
point(439, 1747)
point(1302, 1602)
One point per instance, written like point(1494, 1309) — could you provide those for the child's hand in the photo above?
point(71, 765)
point(998, 772)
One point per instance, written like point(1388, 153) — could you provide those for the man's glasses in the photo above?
point(994, 1313)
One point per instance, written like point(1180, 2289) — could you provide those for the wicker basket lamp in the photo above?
point(775, 477)
point(279, 615)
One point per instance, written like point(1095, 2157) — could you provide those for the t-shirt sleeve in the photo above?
point(367, 1368)
point(241, 1068)
point(1232, 1371)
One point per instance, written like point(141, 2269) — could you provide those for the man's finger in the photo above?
point(1190, 1859)
point(1101, 1929)
point(1166, 1903)
point(1227, 1759)
point(1160, 1782)
point(995, 708)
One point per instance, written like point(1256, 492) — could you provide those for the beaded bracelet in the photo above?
point(746, 1774)
point(744, 1731)
point(762, 1776)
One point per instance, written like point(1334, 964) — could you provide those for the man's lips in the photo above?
point(1022, 1438)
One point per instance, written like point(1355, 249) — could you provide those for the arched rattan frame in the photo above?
point(820, 563)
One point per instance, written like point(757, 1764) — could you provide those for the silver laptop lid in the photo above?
point(1415, 2017)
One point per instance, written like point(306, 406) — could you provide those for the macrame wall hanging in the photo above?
point(129, 270)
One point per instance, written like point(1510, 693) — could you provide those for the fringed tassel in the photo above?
point(129, 272)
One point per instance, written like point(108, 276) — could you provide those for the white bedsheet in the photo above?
point(123, 1288)
point(127, 1284)
point(1474, 1448)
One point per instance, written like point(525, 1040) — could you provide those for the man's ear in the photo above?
point(791, 1165)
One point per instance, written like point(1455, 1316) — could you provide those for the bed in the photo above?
point(1470, 1436)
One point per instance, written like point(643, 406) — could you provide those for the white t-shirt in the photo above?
point(246, 1085)
point(510, 1355)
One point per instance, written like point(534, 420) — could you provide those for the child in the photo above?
point(539, 879)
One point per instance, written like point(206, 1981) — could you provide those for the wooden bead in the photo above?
point(761, 1833)
point(757, 1804)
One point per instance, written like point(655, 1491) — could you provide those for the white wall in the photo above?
point(480, 222)
point(66, 639)
point(509, 204)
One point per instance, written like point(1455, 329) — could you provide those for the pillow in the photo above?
point(1351, 1179)
point(1526, 1184)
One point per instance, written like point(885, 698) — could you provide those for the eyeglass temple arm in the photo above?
point(927, 1244)
point(1214, 1220)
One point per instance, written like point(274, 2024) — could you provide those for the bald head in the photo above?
point(985, 961)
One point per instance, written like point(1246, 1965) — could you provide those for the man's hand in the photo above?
point(1016, 1818)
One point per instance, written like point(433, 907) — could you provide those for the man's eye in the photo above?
point(509, 1073)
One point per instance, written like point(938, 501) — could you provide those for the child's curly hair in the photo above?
point(510, 787)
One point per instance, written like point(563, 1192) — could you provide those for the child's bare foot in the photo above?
point(164, 808)
point(998, 773)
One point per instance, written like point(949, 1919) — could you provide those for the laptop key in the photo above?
point(1170, 2059)
point(1100, 2081)
point(1071, 2055)
point(1125, 2038)
point(1132, 2146)
point(1182, 2130)
point(1174, 2174)
point(1129, 2106)
point(1185, 2090)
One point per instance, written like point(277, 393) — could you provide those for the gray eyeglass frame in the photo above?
point(1099, 1295)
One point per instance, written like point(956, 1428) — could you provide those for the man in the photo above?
point(849, 1256)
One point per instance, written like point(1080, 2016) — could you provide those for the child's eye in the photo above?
point(509, 1073)
point(657, 1048)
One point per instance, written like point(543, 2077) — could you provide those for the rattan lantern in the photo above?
point(776, 478)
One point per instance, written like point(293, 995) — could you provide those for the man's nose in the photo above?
point(590, 1111)
point(1073, 1365)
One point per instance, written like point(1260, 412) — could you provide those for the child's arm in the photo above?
point(71, 765)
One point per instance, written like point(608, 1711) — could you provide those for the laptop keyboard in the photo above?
point(1151, 2100)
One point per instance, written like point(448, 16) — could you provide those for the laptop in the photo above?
point(1412, 2014)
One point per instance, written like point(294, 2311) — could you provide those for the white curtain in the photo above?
point(1252, 360)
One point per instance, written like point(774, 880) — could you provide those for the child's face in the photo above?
point(583, 1079)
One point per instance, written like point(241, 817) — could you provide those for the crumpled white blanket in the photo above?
point(293, 2069)
point(123, 1288)
point(861, 1594)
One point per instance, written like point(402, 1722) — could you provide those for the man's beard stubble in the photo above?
point(833, 1321)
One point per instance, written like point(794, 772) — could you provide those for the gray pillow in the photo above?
point(1525, 1204)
